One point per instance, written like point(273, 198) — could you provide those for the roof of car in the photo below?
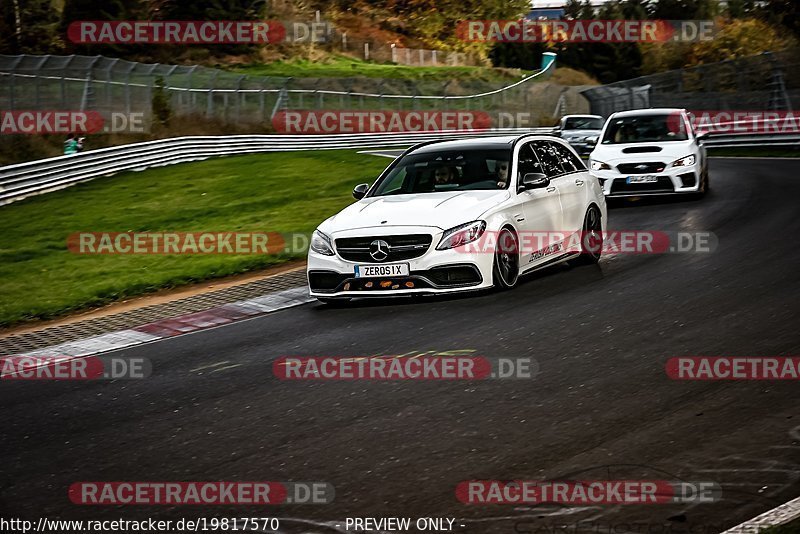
point(499, 141)
point(582, 116)
point(647, 111)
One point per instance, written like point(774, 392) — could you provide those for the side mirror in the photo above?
point(534, 180)
point(360, 190)
point(591, 141)
point(703, 136)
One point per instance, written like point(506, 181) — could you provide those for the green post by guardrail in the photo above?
point(548, 58)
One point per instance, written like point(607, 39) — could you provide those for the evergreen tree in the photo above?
point(28, 27)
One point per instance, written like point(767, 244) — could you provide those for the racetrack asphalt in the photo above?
point(601, 407)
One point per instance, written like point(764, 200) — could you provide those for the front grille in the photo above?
point(401, 247)
point(663, 185)
point(640, 168)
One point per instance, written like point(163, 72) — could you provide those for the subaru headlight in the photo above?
point(461, 235)
point(684, 161)
point(599, 165)
point(321, 243)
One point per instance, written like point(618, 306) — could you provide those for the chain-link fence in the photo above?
point(399, 55)
point(328, 36)
point(766, 82)
point(107, 85)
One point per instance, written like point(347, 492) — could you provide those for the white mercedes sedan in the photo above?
point(462, 215)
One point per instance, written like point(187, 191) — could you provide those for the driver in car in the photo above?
point(501, 173)
point(444, 176)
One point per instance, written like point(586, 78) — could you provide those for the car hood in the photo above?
point(670, 151)
point(441, 210)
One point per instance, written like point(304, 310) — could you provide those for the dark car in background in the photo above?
point(580, 131)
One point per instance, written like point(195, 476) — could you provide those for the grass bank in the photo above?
point(337, 66)
point(40, 278)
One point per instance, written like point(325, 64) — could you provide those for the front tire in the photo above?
point(704, 184)
point(591, 239)
point(505, 271)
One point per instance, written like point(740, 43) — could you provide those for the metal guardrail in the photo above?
point(32, 178)
point(750, 140)
point(36, 177)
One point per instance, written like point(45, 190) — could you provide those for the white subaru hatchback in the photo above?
point(460, 215)
point(650, 152)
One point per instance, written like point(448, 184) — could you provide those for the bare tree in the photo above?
point(17, 25)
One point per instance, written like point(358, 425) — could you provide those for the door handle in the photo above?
point(519, 217)
point(551, 189)
point(578, 182)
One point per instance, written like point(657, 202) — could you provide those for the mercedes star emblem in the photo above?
point(379, 250)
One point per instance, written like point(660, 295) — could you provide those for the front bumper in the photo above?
point(435, 272)
point(671, 180)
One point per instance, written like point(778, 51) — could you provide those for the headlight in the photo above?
point(321, 244)
point(684, 161)
point(461, 235)
point(599, 165)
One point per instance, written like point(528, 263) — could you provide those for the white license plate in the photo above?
point(644, 179)
point(377, 271)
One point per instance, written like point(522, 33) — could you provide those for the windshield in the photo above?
point(451, 170)
point(645, 129)
point(583, 123)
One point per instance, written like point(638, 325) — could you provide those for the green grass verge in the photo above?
point(343, 66)
point(283, 192)
point(792, 527)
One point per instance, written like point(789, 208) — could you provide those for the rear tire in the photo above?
point(591, 239)
point(505, 271)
